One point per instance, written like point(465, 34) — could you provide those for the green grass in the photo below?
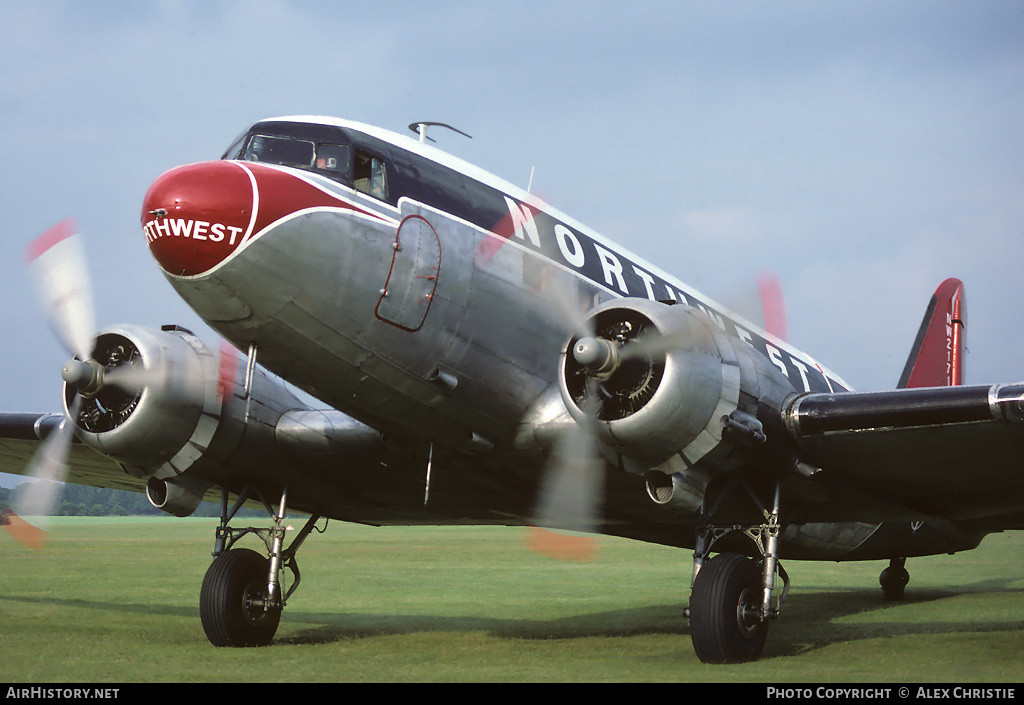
point(116, 600)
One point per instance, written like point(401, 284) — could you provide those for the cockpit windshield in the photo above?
point(294, 152)
point(285, 151)
point(316, 148)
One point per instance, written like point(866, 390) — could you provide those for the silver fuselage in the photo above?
point(435, 312)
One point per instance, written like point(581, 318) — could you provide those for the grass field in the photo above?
point(116, 600)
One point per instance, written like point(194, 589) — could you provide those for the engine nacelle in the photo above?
point(668, 391)
point(170, 410)
point(171, 399)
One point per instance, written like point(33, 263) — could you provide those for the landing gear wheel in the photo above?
point(231, 601)
point(725, 610)
point(894, 580)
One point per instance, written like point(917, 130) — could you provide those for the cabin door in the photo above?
point(412, 280)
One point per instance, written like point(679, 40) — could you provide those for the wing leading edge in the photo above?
point(22, 434)
point(931, 446)
point(950, 452)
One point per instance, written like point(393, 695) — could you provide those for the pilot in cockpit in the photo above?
point(332, 157)
point(370, 176)
point(378, 187)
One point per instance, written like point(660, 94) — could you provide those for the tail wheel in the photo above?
point(725, 610)
point(232, 599)
point(894, 580)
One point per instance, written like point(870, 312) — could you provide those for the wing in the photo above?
point(949, 452)
point(21, 435)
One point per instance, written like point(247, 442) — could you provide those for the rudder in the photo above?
point(937, 360)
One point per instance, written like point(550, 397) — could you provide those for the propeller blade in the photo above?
point(773, 305)
point(563, 291)
point(227, 372)
point(38, 500)
point(568, 494)
point(654, 344)
point(132, 377)
point(57, 262)
point(565, 547)
point(571, 493)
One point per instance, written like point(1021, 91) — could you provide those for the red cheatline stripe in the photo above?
point(58, 233)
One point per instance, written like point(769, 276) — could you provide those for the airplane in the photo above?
point(474, 356)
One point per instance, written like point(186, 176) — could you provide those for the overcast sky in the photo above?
point(863, 150)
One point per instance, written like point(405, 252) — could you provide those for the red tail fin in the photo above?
point(936, 359)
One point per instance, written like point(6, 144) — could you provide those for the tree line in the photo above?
point(81, 500)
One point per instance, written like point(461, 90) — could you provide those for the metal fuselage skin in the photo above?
point(370, 304)
point(432, 306)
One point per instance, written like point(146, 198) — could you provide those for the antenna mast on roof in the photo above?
point(420, 128)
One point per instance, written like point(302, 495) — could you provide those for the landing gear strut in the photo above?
point(241, 599)
point(733, 598)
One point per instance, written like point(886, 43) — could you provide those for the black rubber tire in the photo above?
point(725, 585)
point(894, 581)
point(232, 581)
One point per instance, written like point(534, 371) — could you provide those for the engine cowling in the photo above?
point(171, 411)
point(670, 393)
point(171, 400)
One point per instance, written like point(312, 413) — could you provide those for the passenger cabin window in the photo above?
point(369, 175)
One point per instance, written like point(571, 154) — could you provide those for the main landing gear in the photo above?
point(733, 598)
point(241, 599)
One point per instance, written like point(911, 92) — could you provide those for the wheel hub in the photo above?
point(748, 613)
point(254, 603)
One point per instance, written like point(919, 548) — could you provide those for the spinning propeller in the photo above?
point(56, 260)
point(603, 356)
point(570, 492)
point(615, 366)
point(57, 263)
point(565, 517)
point(106, 376)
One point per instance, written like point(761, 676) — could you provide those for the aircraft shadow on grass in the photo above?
point(811, 620)
point(814, 620)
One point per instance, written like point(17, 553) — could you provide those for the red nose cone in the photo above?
point(195, 216)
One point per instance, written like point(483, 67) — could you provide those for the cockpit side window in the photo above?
point(370, 176)
point(333, 158)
